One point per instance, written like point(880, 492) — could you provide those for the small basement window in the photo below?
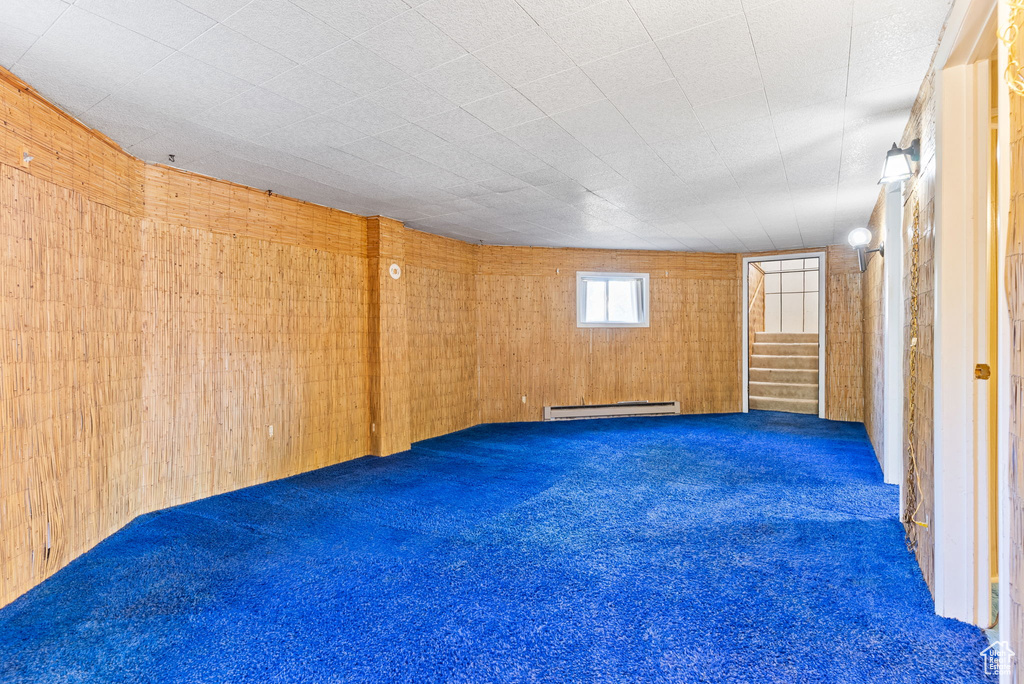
point(612, 300)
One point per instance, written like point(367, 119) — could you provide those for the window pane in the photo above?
point(772, 313)
point(793, 265)
point(768, 266)
point(792, 313)
point(597, 292)
point(623, 301)
point(811, 281)
point(811, 263)
point(793, 282)
point(772, 284)
point(811, 312)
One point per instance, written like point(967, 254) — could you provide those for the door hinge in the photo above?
point(982, 371)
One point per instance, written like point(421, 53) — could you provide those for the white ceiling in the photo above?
point(721, 125)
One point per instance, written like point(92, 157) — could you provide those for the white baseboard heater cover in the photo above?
point(623, 408)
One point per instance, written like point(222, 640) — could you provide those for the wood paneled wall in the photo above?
point(533, 355)
point(844, 342)
point(168, 336)
point(873, 306)
point(155, 326)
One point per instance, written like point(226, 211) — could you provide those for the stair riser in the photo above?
point(804, 362)
point(809, 377)
point(794, 349)
point(788, 405)
point(785, 337)
point(782, 390)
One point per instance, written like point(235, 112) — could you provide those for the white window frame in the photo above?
point(645, 298)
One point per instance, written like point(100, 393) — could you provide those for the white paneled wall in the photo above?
point(791, 295)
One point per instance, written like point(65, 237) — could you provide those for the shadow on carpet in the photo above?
point(724, 548)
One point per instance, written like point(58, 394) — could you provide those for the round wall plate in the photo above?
point(396, 271)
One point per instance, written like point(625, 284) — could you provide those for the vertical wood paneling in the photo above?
point(844, 342)
point(873, 306)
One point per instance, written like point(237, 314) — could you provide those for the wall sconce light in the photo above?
point(859, 239)
point(898, 162)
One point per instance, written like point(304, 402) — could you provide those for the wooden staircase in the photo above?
point(784, 372)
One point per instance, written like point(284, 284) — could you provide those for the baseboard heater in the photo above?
point(623, 408)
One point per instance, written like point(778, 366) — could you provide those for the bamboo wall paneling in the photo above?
point(442, 332)
point(390, 420)
point(844, 341)
point(873, 306)
point(755, 304)
point(530, 345)
point(919, 194)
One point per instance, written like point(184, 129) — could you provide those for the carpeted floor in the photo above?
point(727, 548)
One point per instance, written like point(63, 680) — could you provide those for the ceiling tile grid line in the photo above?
point(675, 124)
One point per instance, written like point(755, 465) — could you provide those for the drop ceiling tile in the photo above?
point(817, 124)
point(894, 34)
point(713, 62)
point(525, 57)
point(504, 110)
point(183, 87)
point(33, 17)
point(565, 90)
point(814, 53)
point(309, 89)
point(870, 10)
point(237, 55)
point(252, 113)
point(503, 183)
point(659, 112)
point(120, 121)
point(372, 150)
point(733, 110)
point(600, 127)
point(93, 51)
point(664, 18)
point(640, 165)
point(285, 28)
point(591, 173)
point(216, 9)
point(503, 153)
point(353, 17)
point(543, 176)
point(411, 138)
point(546, 11)
point(461, 162)
point(357, 69)
point(411, 100)
point(310, 134)
point(792, 21)
point(366, 117)
point(906, 67)
point(600, 30)
point(794, 92)
point(455, 125)
point(165, 21)
point(463, 80)
point(475, 25)
point(14, 43)
point(411, 43)
point(630, 70)
point(548, 141)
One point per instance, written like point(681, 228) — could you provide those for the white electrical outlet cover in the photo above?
point(395, 271)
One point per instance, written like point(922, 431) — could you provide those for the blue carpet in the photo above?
point(725, 548)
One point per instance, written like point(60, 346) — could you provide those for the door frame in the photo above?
point(822, 256)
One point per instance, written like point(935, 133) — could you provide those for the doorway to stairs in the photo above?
point(784, 333)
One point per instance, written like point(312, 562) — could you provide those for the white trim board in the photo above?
point(822, 269)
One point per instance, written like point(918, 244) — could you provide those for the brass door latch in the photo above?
point(982, 371)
